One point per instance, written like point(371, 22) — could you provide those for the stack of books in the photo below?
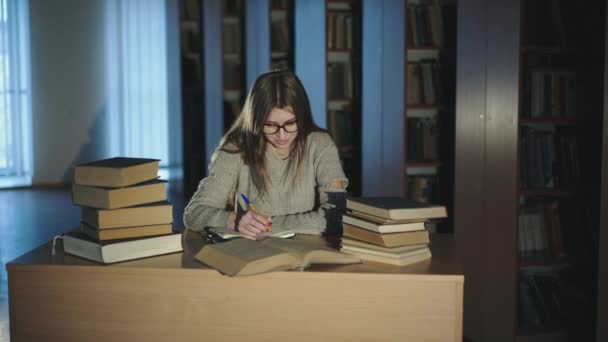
point(388, 230)
point(125, 212)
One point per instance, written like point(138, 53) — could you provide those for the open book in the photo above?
point(226, 233)
point(241, 257)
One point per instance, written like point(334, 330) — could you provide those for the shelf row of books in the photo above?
point(340, 77)
point(540, 233)
point(550, 94)
point(231, 37)
point(549, 159)
point(422, 139)
point(540, 297)
point(232, 76)
point(279, 36)
point(424, 25)
point(125, 212)
point(424, 82)
point(423, 188)
point(388, 230)
point(339, 124)
point(339, 30)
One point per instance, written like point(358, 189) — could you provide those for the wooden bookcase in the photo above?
point(520, 166)
point(559, 159)
point(192, 86)
point(233, 65)
point(343, 23)
point(429, 103)
point(281, 35)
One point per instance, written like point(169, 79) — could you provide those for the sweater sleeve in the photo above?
point(330, 190)
point(207, 207)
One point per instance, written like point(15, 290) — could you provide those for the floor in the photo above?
point(30, 217)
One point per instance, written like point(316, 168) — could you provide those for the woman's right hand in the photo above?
point(252, 224)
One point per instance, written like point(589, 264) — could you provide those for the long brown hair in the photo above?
point(275, 89)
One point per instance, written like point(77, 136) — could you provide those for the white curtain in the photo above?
point(15, 96)
point(137, 71)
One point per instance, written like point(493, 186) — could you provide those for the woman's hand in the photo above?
point(252, 224)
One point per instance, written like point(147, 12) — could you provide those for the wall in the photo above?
point(68, 87)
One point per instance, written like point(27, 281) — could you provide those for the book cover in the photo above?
point(383, 228)
point(242, 257)
point(113, 198)
point(116, 172)
point(386, 239)
point(395, 208)
point(141, 215)
point(127, 232)
point(107, 252)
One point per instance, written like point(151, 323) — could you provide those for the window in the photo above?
point(137, 69)
point(15, 97)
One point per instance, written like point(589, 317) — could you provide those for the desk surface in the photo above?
point(443, 262)
point(175, 298)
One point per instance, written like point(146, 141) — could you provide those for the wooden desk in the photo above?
point(174, 298)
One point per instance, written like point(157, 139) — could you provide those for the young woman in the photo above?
point(276, 156)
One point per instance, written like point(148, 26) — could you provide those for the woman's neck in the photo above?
point(278, 153)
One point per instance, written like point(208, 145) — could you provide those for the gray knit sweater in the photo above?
point(299, 206)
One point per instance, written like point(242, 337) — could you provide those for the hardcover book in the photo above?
point(116, 172)
point(126, 232)
point(106, 252)
point(241, 257)
point(402, 259)
point(386, 239)
point(113, 198)
point(383, 228)
point(141, 215)
point(345, 241)
point(395, 208)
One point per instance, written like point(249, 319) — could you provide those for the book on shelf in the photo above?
point(112, 198)
point(241, 257)
point(107, 252)
point(386, 239)
point(141, 215)
point(396, 208)
point(125, 232)
point(399, 259)
point(116, 172)
point(226, 233)
point(383, 228)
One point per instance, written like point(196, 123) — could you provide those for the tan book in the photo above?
point(361, 244)
point(141, 215)
point(377, 219)
point(395, 208)
point(240, 257)
point(125, 233)
point(116, 172)
point(401, 255)
point(423, 255)
point(113, 198)
point(386, 239)
point(383, 228)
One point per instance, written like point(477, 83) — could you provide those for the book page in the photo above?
point(244, 257)
point(309, 252)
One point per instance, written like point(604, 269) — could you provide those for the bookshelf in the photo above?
point(281, 34)
point(233, 64)
point(192, 87)
point(429, 103)
point(559, 162)
point(343, 22)
point(498, 197)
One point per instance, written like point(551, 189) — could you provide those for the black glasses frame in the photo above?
point(278, 128)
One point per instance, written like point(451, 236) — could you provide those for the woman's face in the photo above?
point(281, 129)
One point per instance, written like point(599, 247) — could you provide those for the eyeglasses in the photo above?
point(272, 128)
